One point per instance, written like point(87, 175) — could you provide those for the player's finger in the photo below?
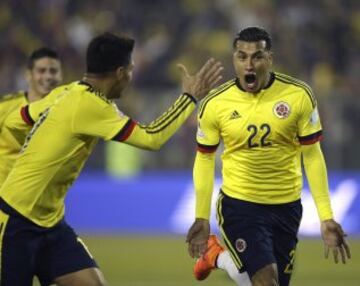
point(209, 63)
point(215, 82)
point(326, 251)
point(215, 68)
point(190, 235)
point(342, 254)
point(183, 69)
point(347, 249)
point(336, 255)
point(194, 229)
point(202, 248)
point(214, 76)
point(191, 250)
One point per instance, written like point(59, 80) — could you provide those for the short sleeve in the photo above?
point(309, 125)
point(208, 135)
point(98, 117)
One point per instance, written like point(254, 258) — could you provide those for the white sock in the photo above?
point(225, 262)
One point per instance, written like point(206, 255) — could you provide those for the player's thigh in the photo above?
point(287, 222)
point(18, 248)
point(85, 277)
point(247, 234)
point(65, 255)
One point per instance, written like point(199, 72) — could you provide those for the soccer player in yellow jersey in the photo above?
point(35, 240)
point(43, 73)
point(268, 123)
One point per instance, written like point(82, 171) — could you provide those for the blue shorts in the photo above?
point(28, 250)
point(257, 235)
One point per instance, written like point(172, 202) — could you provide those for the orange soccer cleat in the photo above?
point(207, 261)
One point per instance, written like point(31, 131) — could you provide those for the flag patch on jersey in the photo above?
point(235, 114)
point(200, 133)
point(282, 110)
point(314, 117)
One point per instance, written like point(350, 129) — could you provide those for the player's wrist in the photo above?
point(193, 98)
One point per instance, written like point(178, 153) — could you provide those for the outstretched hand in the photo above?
point(199, 84)
point(334, 240)
point(197, 237)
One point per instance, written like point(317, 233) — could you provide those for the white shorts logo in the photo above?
point(240, 245)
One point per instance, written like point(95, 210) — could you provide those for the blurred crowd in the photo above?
point(316, 41)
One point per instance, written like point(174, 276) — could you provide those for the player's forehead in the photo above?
point(250, 47)
point(46, 62)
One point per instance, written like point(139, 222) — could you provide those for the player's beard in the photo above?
point(116, 90)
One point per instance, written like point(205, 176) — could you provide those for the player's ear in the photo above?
point(120, 72)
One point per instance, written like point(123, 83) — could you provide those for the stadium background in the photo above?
point(132, 207)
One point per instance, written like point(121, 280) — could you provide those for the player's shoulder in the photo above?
point(12, 97)
point(215, 93)
point(299, 86)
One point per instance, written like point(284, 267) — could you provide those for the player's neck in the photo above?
point(33, 96)
point(100, 84)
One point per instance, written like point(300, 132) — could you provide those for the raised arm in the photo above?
point(155, 134)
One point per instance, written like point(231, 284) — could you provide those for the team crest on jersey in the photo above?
point(282, 110)
point(240, 245)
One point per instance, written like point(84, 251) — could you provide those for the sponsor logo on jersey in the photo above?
point(240, 245)
point(235, 115)
point(282, 110)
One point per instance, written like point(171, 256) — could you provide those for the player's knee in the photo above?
point(266, 276)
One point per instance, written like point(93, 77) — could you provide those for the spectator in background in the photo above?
point(201, 28)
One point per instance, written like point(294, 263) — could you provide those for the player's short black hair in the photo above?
point(40, 53)
point(253, 34)
point(107, 52)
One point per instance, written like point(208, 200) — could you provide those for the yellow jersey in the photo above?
point(8, 104)
point(63, 137)
point(14, 130)
point(262, 134)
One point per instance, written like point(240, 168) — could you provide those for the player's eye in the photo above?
point(41, 70)
point(259, 57)
point(53, 71)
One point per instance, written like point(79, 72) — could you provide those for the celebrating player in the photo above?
point(267, 122)
point(43, 73)
point(35, 238)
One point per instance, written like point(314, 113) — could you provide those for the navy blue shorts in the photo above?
point(28, 250)
point(257, 235)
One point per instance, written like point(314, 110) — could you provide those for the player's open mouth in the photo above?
point(250, 80)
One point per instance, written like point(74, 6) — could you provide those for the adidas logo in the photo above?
point(235, 115)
